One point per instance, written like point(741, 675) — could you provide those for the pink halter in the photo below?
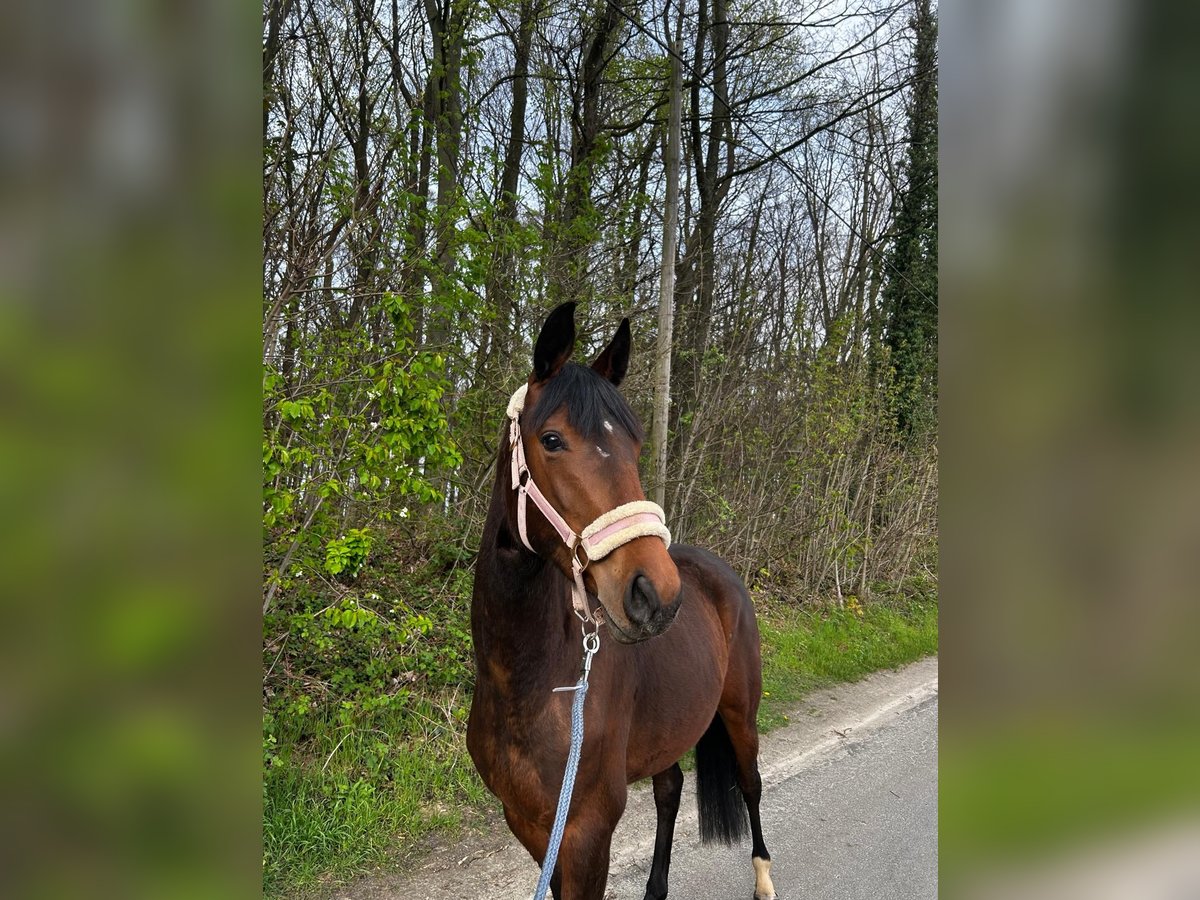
point(613, 529)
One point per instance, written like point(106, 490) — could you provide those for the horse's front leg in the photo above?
point(581, 872)
point(587, 841)
point(535, 838)
point(583, 860)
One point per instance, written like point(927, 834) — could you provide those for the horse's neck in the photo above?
point(526, 631)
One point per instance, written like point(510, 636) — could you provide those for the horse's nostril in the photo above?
point(641, 601)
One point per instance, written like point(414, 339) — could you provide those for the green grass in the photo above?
point(804, 649)
point(360, 794)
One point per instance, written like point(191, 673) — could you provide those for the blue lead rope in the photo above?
point(591, 643)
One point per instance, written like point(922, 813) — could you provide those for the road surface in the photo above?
point(849, 811)
point(859, 822)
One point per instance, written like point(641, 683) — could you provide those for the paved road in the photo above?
point(849, 811)
point(860, 822)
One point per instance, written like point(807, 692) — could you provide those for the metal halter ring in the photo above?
point(576, 550)
point(591, 640)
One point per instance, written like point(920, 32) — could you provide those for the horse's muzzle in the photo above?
point(647, 614)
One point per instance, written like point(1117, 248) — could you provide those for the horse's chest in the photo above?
point(520, 755)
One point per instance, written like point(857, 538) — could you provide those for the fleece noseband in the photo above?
point(613, 529)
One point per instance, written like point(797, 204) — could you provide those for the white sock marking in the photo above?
point(763, 887)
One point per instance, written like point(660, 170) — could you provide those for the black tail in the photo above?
point(722, 809)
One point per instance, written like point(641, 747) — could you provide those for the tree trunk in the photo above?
point(277, 12)
point(569, 279)
point(666, 293)
point(502, 274)
point(446, 29)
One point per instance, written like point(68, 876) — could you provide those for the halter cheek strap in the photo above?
point(613, 529)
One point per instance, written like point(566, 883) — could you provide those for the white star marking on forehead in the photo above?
point(601, 451)
point(608, 426)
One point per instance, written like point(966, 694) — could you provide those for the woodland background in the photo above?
point(437, 176)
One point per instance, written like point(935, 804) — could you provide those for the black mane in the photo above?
point(590, 399)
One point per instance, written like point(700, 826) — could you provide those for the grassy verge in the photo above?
point(358, 795)
point(804, 649)
point(350, 797)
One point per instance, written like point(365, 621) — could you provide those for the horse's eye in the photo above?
point(552, 442)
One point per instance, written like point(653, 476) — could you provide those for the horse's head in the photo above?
point(581, 444)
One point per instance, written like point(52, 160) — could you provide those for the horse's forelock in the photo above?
point(590, 399)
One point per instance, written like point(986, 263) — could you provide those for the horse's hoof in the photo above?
point(763, 887)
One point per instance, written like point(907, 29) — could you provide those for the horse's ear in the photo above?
point(555, 344)
point(613, 362)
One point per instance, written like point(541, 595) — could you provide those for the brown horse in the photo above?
point(679, 665)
